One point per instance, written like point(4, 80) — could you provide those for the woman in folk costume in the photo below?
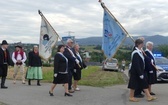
point(149, 66)
point(77, 69)
point(18, 58)
point(137, 78)
point(34, 71)
point(60, 71)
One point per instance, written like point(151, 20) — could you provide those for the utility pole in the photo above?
point(69, 33)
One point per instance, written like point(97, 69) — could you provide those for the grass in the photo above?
point(47, 74)
point(100, 78)
point(90, 48)
point(92, 76)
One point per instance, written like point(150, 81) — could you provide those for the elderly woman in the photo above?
point(137, 78)
point(60, 71)
point(77, 69)
point(34, 71)
point(150, 66)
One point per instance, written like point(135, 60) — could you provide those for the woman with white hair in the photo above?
point(149, 66)
point(34, 71)
point(77, 70)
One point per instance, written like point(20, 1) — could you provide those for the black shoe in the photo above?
point(51, 94)
point(29, 82)
point(38, 84)
point(67, 94)
point(139, 96)
point(4, 87)
point(151, 93)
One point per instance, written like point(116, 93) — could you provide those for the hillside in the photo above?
point(157, 39)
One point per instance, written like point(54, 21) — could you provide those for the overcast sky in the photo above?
point(19, 20)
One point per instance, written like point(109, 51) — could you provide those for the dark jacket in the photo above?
point(71, 59)
point(2, 56)
point(137, 67)
point(34, 59)
point(152, 77)
point(4, 67)
point(81, 63)
point(148, 65)
point(59, 64)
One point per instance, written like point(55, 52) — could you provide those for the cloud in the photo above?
point(20, 20)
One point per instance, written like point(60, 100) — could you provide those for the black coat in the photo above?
point(71, 59)
point(137, 69)
point(34, 59)
point(81, 63)
point(4, 67)
point(2, 56)
point(59, 64)
point(148, 65)
point(152, 77)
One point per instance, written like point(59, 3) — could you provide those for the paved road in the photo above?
point(20, 94)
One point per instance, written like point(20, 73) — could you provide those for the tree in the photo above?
point(163, 49)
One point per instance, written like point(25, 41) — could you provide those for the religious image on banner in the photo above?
point(48, 39)
point(113, 35)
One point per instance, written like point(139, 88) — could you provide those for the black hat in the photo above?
point(4, 42)
point(18, 46)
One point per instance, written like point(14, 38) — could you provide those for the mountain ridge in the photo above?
point(156, 39)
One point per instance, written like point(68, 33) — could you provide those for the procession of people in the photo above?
point(142, 71)
point(67, 64)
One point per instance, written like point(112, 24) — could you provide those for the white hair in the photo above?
point(149, 43)
point(69, 40)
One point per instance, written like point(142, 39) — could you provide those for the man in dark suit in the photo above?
point(4, 62)
point(71, 62)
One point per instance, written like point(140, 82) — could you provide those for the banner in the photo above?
point(48, 38)
point(113, 35)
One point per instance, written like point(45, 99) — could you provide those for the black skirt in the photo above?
point(152, 77)
point(61, 79)
point(136, 83)
point(77, 74)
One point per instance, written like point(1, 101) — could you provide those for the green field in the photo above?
point(92, 76)
point(95, 76)
point(90, 48)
